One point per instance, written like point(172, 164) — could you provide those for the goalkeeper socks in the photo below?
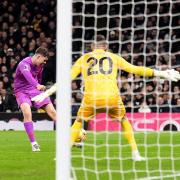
point(30, 131)
point(128, 133)
point(75, 129)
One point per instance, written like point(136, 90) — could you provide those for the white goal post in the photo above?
point(64, 31)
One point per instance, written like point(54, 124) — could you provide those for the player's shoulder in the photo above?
point(26, 60)
point(112, 55)
point(25, 63)
point(84, 57)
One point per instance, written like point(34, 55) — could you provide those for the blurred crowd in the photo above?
point(145, 33)
point(25, 25)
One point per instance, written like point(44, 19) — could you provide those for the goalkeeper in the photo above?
point(99, 71)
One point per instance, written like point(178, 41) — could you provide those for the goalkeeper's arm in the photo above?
point(169, 74)
point(47, 93)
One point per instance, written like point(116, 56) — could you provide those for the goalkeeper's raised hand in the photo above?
point(170, 74)
point(47, 93)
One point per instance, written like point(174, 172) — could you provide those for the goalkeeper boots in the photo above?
point(136, 156)
point(78, 144)
point(35, 147)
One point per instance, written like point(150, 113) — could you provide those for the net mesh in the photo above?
point(145, 33)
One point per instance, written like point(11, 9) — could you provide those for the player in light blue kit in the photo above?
point(27, 84)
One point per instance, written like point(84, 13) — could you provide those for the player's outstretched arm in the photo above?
point(169, 74)
point(47, 93)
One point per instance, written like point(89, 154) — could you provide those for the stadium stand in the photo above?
point(31, 23)
point(136, 44)
point(25, 26)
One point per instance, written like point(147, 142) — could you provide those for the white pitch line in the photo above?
point(158, 177)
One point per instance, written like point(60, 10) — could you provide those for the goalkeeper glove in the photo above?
point(170, 74)
point(42, 96)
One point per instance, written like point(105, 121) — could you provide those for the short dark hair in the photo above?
point(42, 51)
point(99, 38)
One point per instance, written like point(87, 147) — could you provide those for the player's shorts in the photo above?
point(25, 97)
point(114, 107)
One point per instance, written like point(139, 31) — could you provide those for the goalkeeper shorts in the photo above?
point(113, 106)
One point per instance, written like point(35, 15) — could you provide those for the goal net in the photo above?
point(145, 33)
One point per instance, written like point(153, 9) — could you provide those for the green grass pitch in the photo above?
point(105, 156)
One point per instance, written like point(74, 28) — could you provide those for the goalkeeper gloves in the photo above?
point(42, 96)
point(170, 74)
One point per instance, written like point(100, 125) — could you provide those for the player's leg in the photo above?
point(46, 104)
point(129, 135)
point(84, 113)
point(119, 113)
point(75, 130)
point(28, 124)
point(24, 102)
point(49, 108)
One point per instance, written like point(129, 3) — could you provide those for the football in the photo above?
point(82, 136)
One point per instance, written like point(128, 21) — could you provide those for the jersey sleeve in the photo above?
point(76, 68)
point(25, 70)
point(137, 70)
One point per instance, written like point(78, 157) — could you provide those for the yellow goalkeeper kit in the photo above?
point(99, 70)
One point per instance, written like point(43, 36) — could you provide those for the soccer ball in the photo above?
point(82, 136)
